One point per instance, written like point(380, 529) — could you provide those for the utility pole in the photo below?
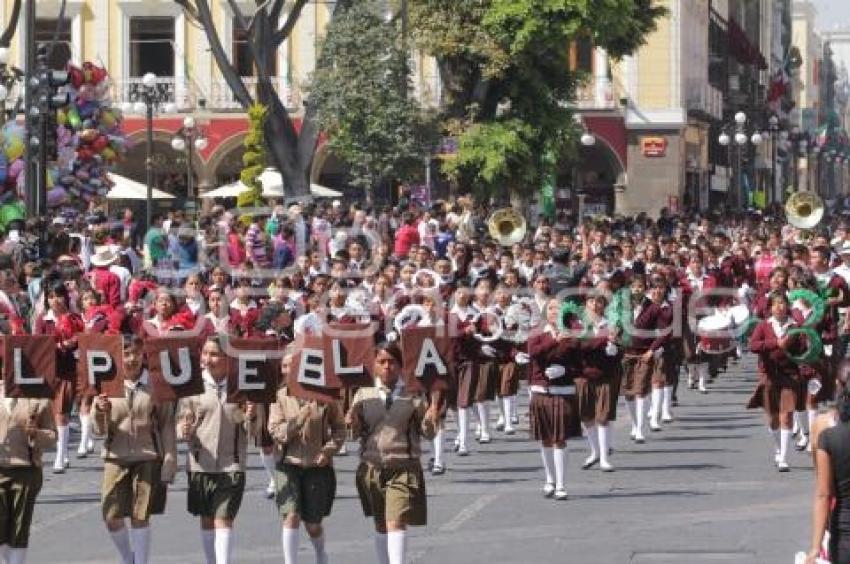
point(31, 141)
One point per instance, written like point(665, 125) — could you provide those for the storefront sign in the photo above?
point(653, 146)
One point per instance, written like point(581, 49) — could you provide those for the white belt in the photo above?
point(554, 390)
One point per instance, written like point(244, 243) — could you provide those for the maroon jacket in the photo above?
point(595, 362)
point(652, 327)
point(107, 284)
point(774, 363)
point(545, 351)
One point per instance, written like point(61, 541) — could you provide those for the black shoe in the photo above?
point(438, 470)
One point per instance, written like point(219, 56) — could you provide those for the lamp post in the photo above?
point(190, 138)
point(740, 139)
point(150, 100)
point(773, 130)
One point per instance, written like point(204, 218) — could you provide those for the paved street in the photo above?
point(703, 490)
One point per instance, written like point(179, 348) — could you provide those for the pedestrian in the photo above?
point(217, 434)
point(308, 434)
point(139, 456)
point(391, 421)
point(554, 406)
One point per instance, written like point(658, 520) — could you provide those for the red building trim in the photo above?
point(613, 130)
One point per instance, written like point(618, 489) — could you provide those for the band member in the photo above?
point(554, 407)
point(391, 422)
point(466, 357)
point(27, 428)
point(597, 385)
point(650, 332)
point(777, 390)
point(488, 366)
point(509, 370)
point(139, 454)
point(696, 283)
point(217, 433)
point(309, 434)
point(58, 320)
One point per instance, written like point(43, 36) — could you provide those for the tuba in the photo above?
point(506, 226)
point(804, 210)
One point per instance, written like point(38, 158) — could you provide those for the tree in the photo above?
point(507, 81)
point(361, 93)
point(290, 149)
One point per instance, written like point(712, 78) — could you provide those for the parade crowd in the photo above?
point(574, 313)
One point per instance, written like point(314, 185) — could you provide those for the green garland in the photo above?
point(576, 309)
point(619, 313)
point(817, 303)
point(813, 351)
point(254, 158)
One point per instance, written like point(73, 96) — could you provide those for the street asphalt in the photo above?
point(703, 490)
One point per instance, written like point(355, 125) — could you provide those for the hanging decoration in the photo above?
point(254, 159)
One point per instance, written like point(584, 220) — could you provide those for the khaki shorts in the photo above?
point(306, 492)
point(393, 494)
point(215, 495)
point(19, 487)
point(128, 490)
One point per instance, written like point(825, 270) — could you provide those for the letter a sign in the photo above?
point(427, 353)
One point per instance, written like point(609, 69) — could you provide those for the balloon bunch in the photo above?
point(89, 139)
point(11, 161)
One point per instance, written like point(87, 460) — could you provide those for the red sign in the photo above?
point(653, 146)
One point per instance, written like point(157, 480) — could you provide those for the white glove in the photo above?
point(657, 354)
point(827, 350)
point(743, 291)
point(813, 387)
point(611, 349)
point(392, 337)
point(488, 351)
point(555, 371)
point(522, 358)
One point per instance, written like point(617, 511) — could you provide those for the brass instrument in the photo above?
point(506, 226)
point(804, 210)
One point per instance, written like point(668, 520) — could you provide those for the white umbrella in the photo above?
point(125, 189)
point(272, 182)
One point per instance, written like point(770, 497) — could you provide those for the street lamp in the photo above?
point(10, 76)
point(151, 99)
point(190, 138)
point(588, 139)
point(740, 138)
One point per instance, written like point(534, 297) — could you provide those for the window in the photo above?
point(242, 60)
point(152, 46)
point(584, 55)
point(45, 32)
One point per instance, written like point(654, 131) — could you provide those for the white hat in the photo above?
point(103, 256)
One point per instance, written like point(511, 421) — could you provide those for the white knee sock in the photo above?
point(462, 425)
point(121, 540)
point(667, 403)
point(798, 426)
point(85, 433)
point(290, 539)
point(630, 406)
point(592, 440)
point(775, 434)
point(381, 548)
point(702, 370)
point(560, 455)
point(16, 556)
point(640, 414)
point(506, 409)
point(141, 544)
point(811, 414)
point(62, 432)
point(319, 548)
point(655, 405)
point(268, 464)
point(548, 463)
point(692, 374)
point(438, 448)
point(396, 546)
point(223, 545)
point(208, 544)
point(784, 440)
point(484, 417)
point(603, 436)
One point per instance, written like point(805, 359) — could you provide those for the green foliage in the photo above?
point(361, 91)
point(254, 159)
point(507, 80)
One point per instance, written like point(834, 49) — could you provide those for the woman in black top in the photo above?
point(833, 483)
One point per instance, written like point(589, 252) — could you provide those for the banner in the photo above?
point(350, 354)
point(174, 365)
point(253, 372)
point(427, 356)
point(307, 378)
point(100, 367)
point(29, 367)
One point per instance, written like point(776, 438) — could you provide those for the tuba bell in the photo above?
point(506, 226)
point(804, 210)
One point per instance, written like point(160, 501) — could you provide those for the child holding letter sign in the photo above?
point(217, 433)
point(139, 453)
point(391, 422)
point(309, 434)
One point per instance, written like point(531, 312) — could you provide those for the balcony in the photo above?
point(598, 94)
point(702, 98)
point(185, 94)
